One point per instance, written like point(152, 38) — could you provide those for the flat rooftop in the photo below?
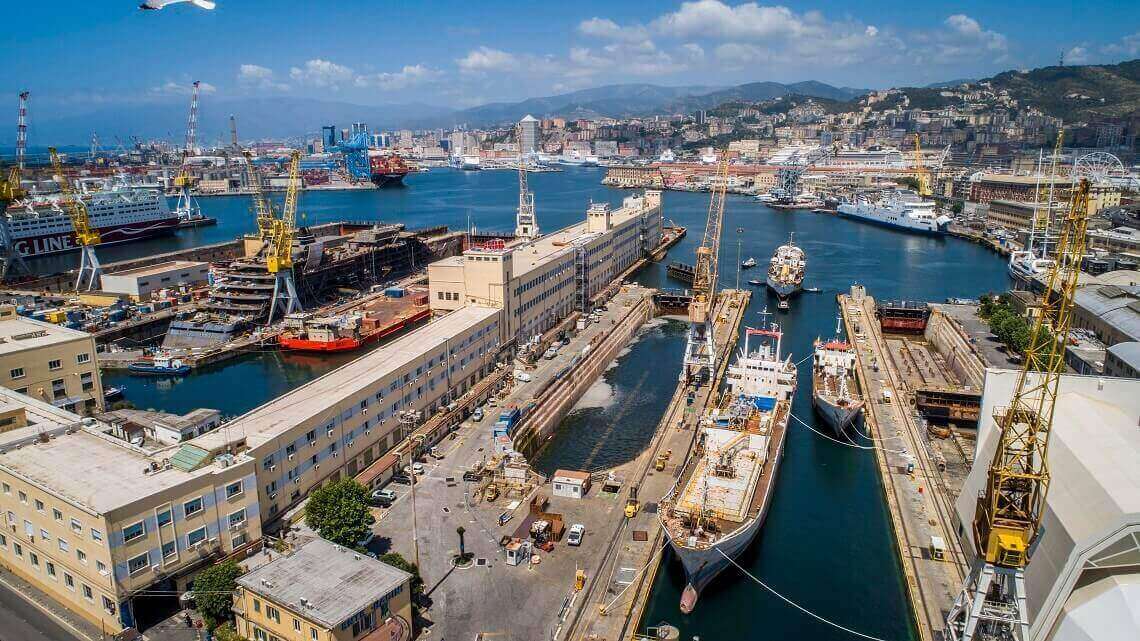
point(334, 582)
point(160, 268)
point(71, 458)
point(20, 334)
point(323, 396)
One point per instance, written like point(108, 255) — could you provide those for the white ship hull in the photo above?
point(839, 416)
point(897, 218)
point(704, 564)
point(783, 290)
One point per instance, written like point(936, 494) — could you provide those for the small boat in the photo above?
point(756, 282)
point(747, 264)
point(814, 290)
point(160, 365)
point(112, 393)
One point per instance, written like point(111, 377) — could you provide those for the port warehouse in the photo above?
point(147, 516)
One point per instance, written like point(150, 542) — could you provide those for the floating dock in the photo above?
point(919, 502)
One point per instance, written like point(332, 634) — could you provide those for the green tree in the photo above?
point(213, 592)
point(957, 208)
point(395, 560)
point(227, 632)
point(910, 182)
point(339, 512)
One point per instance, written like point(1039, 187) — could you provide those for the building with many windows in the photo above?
point(50, 363)
point(324, 592)
point(92, 520)
point(529, 136)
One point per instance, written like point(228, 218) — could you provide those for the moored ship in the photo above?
point(40, 226)
point(833, 385)
point(786, 271)
point(899, 208)
point(387, 170)
point(719, 502)
point(345, 332)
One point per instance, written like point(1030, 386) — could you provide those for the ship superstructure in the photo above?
point(786, 271)
point(834, 391)
point(720, 500)
point(899, 208)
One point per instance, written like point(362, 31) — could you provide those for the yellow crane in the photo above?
point(1007, 521)
point(700, 351)
point(920, 172)
point(279, 254)
point(85, 234)
point(261, 206)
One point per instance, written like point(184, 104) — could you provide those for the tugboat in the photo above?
point(748, 264)
point(160, 365)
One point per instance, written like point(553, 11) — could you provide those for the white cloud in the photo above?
point(1128, 46)
point(965, 32)
point(171, 88)
point(1077, 55)
point(487, 59)
point(607, 29)
point(322, 73)
point(258, 77)
point(409, 76)
point(748, 21)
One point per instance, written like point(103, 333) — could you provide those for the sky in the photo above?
point(78, 54)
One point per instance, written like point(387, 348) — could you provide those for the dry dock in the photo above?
point(615, 596)
point(918, 499)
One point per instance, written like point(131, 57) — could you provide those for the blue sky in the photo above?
point(73, 54)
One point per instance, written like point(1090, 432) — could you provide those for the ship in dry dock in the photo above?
point(719, 502)
point(833, 386)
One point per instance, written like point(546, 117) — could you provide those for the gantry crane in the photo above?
point(526, 221)
point(11, 260)
point(700, 350)
point(791, 172)
point(186, 209)
point(1007, 522)
point(920, 172)
point(85, 234)
point(279, 255)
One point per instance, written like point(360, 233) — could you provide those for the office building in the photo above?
point(141, 283)
point(92, 520)
point(529, 135)
point(50, 363)
point(324, 592)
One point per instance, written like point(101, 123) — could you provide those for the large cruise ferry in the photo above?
point(720, 500)
point(121, 213)
point(901, 209)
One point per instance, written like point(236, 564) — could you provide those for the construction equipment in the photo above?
point(233, 134)
point(1007, 522)
point(279, 254)
point(791, 172)
point(186, 208)
point(86, 235)
point(526, 224)
point(700, 352)
point(632, 504)
point(920, 172)
point(662, 460)
point(261, 205)
point(11, 261)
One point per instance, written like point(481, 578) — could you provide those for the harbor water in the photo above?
point(827, 543)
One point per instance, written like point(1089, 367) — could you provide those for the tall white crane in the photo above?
point(186, 208)
point(11, 261)
point(526, 221)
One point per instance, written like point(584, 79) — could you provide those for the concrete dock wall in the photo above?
point(961, 356)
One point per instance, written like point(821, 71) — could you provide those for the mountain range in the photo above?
point(1073, 93)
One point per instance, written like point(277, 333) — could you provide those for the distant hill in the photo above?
point(1079, 93)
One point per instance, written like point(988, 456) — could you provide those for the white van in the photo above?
point(522, 376)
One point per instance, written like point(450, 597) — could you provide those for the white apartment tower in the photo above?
point(528, 134)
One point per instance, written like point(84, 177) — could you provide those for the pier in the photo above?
point(918, 498)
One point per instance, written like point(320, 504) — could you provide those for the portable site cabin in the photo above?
point(571, 484)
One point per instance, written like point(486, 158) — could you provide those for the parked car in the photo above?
point(471, 475)
point(575, 534)
point(383, 498)
point(363, 543)
point(477, 415)
point(416, 467)
point(551, 354)
point(522, 376)
point(401, 478)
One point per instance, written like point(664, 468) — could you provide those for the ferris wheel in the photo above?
point(1097, 167)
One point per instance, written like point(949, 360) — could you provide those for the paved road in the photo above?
point(21, 621)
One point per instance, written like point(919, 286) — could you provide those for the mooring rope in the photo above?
point(796, 605)
point(851, 445)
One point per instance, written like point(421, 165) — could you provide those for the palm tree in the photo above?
point(460, 531)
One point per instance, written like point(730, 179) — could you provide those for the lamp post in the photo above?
point(409, 419)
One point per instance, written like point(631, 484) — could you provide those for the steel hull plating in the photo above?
point(65, 242)
point(783, 290)
point(703, 565)
point(838, 417)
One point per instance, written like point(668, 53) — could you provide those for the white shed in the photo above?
point(571, 484)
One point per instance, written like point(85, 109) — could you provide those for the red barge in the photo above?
point(345, 332)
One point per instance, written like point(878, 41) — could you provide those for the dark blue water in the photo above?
point(827, 542)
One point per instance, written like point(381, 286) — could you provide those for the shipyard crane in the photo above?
point(920, 172)
point(792, 170)
point(279, 257)
point(185, 207)
point(1007, 521)
point(11, 260)
point(233, 134)
point(261, 205)
point(85, 234)
point(526, 221)
point(700, 350)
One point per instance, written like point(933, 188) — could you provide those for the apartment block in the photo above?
point(93, 520)
point(324, 592)
point(540, 282)
point(50, 363)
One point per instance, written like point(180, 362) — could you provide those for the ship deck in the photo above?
point(677, 513)
point(828, 386)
